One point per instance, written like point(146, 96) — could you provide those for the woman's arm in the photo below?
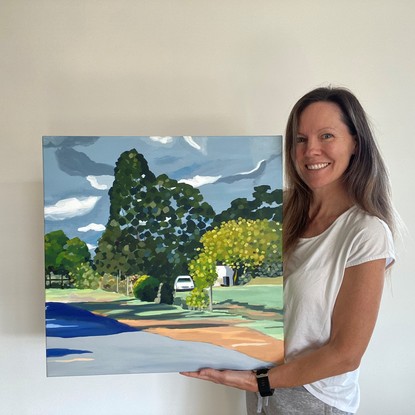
point(353, 321)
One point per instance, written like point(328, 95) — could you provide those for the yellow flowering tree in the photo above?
point(241, 243)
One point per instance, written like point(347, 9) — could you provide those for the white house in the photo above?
point(225, 276)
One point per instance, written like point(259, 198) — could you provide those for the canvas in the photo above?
point(162, 254)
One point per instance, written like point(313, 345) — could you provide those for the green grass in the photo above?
point(76, 295)
point(255, 306)
point(267, 296)
point(259, 306)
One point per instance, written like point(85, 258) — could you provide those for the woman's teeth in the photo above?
point(317, 166)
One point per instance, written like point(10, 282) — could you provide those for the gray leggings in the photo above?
point(290, 401)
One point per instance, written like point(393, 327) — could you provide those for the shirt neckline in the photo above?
point(331, 226)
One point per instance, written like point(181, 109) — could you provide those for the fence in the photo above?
point(57, 281)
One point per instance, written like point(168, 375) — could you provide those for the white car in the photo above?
point(184, 283)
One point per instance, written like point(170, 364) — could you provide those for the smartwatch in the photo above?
point(263, 382)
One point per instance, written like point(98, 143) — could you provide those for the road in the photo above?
point(82, 343)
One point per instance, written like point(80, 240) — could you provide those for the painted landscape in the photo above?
point(162, 254)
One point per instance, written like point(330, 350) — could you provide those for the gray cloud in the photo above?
point(68, 141)
point(75, 163)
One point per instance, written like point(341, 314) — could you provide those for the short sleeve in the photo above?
point(372, 241)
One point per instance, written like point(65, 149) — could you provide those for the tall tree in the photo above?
point(118, 252)
point(155, 223)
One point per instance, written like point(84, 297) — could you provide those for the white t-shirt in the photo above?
point(312, 279)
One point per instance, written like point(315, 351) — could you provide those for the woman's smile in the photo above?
point(317, 166)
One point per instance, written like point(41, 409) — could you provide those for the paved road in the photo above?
point(81, 343)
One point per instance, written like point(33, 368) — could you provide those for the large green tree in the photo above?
point(155, 223)
point(54, 245)
point(266, 204)
point(64, 256)
point(74, 253)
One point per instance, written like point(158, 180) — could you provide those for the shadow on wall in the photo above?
point(22, 284)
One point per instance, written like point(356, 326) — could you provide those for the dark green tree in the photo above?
point(266, 204)
point(54, 245)
point(155, 223)
point(116, 249)
point(74, 252)
point(62, 255)
point(70, 258)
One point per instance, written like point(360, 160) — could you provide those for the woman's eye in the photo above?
point(327, 135)
point(300, 139)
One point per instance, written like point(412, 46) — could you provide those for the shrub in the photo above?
point(84, 276)
point(108, 282)
point(146, 288)
point(197, 299)
point(181, 302)
point(269, 269)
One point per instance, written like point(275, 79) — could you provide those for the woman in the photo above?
point(337, 244)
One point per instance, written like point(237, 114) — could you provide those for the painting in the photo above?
point(162, 254)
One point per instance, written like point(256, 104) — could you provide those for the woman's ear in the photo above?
point(355, 145)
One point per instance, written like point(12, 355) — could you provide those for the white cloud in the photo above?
point(198, 181)
point(91, 247)
point(199, 146)
point(92, 227)
point(101, 182)
point(162, 140)
point(257, 167)
point(71, 207)
point(189, 140)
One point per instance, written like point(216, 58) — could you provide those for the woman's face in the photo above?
point(323, 146)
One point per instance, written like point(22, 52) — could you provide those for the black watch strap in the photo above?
point(263, 382)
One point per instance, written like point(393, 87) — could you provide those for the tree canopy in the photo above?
point(266, 204)
point(63, 255)
point(241, 244)
point(155, 223)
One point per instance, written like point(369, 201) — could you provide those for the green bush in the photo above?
point(197, 299)
point(84, 276)
point(181, 302)
point(146, 288)
point(108, 282)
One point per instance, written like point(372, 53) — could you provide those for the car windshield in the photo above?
point(184, 279)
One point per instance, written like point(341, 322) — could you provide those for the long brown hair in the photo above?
point(366, 178)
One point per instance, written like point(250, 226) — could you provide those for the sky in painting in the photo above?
point(78, 172)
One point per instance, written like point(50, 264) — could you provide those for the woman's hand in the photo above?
point(245, 380)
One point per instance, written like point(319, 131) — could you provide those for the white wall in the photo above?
point(83, 67)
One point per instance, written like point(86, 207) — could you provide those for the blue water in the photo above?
point(64, 352)
point(66, 321)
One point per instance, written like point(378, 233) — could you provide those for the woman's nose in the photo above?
point(313, 146)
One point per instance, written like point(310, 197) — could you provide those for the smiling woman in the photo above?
point(337, 244)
